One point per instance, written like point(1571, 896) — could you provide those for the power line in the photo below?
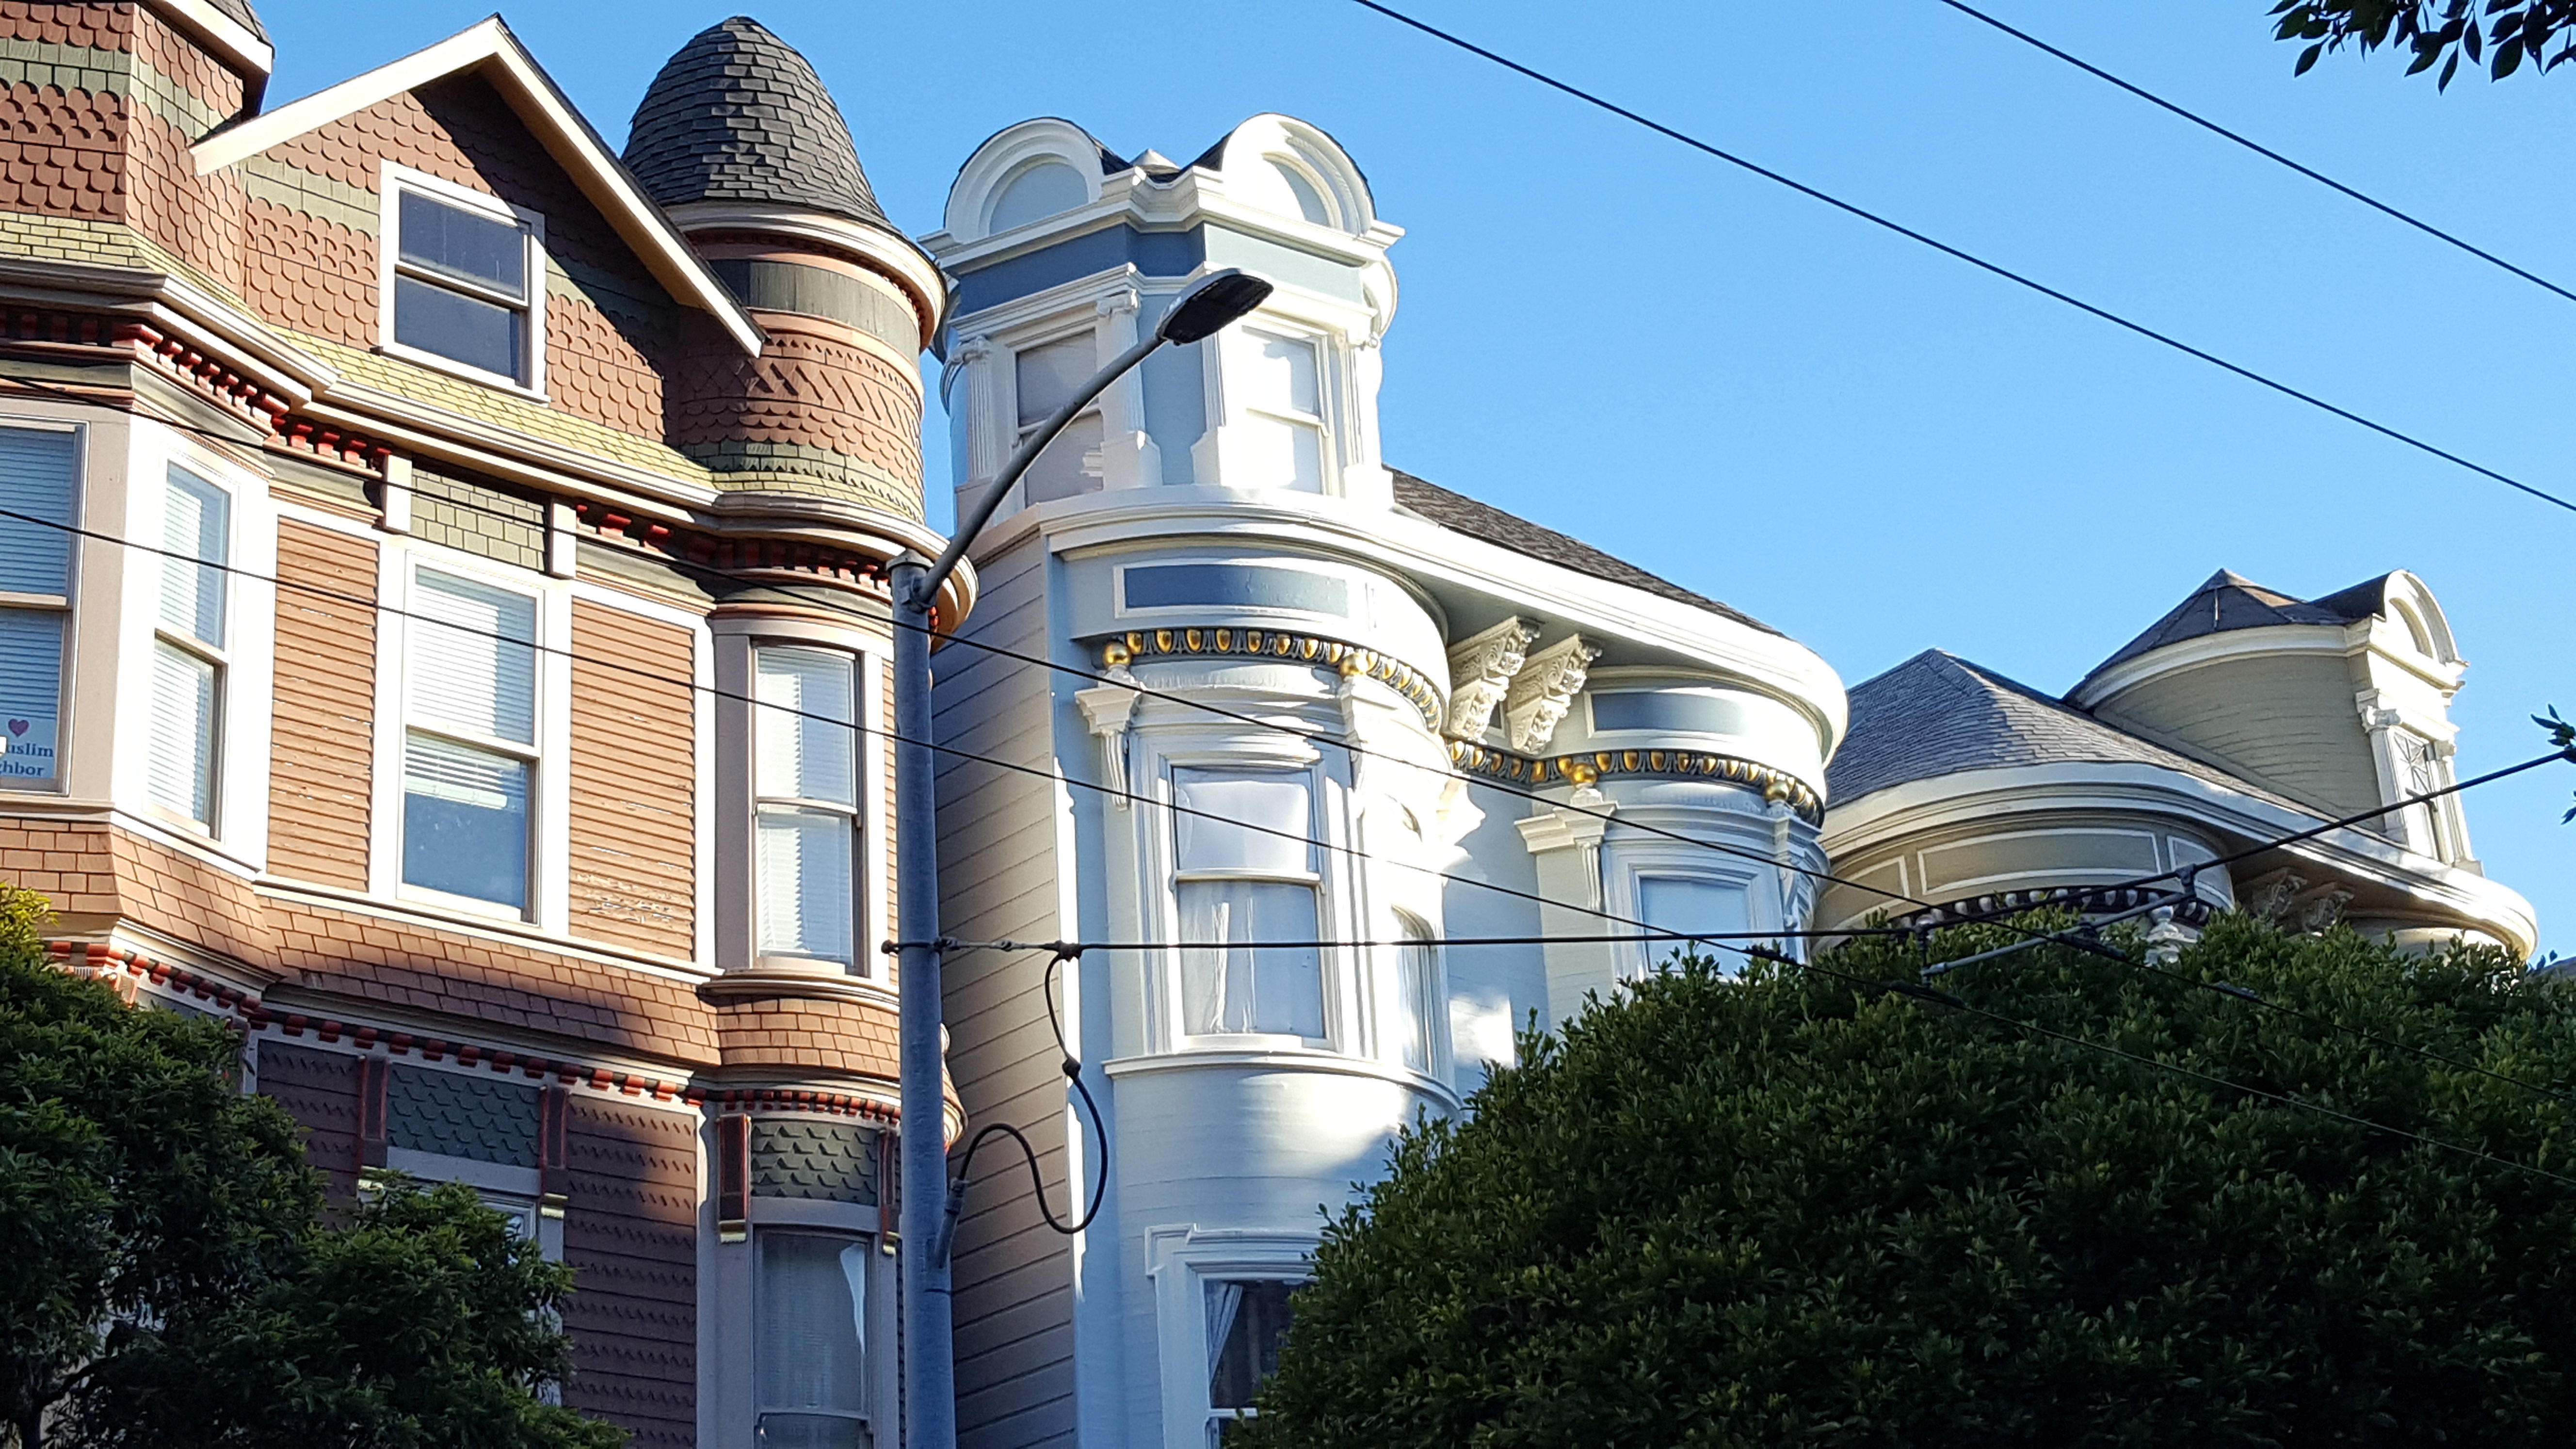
point(1972, 259)
point(2259, 149)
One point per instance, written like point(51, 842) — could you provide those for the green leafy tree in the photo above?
point(1795, 1210)
point(168, 1282)
point(2501, 35)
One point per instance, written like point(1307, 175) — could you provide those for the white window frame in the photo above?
point(1671, 860)
point(59, 605)
point(1181, 1260)
point(871, 1354)
point(1239, 342)
point(549, 801)
point(1431, 1002)
point(864, 962)
point(1333, 963)
point(392, 181)
point(218, 654)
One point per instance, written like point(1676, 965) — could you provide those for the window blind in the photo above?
point(182, 764)
point(194, 522)
point(805, 904)
point(465, 820)
point(808, 749)
point(36, 480)
point(31, 691)
point(473, 657)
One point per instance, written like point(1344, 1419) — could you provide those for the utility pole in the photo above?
point(929, 1351)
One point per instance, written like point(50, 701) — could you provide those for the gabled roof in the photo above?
point(737, 115)
point(1937, 714)
point(1462, 514)
point(2230, 601)
point(491, 51)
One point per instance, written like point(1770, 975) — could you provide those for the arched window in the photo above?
point(1046, 189)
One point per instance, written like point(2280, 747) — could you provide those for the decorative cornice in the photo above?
point(2193, 911)
point(798, 1099)
point(777, 560)
point(1353, 661)
point(1589, 767)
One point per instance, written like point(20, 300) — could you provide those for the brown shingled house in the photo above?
point(443, 631)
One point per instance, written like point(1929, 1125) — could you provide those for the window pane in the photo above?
point(457, 327)
point(1230, 987)
point(474, 657)
point(1246, 1324)
point(805, 905)
point(1242, 821)
point(183, 732)
point(36, 480)
point(1070, 466)
point(464, 244)
point(811, 1344)
point(31, 691)
point(1419, 1004)
point(465, 821)
point(1045, 378)
point(1679, 903)
point(1281, 454)
point(808, 749)
point(1281, 375)
point(193, 518)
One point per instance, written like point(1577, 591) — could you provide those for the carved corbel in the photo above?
point(1480, 675)
point(1544, 690)
point(1110, 709)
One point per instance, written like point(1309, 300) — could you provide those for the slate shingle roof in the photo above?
point(738, 115)
point(1937, 714)
point(1462, 514)
point(240, 13)
point(2230, 601)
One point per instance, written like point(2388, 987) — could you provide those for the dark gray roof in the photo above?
point(1937, 714)
point(737, 115)
point(2230, 601)
point(240, 13)
point(1462, 514)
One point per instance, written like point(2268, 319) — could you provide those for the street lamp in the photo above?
point(929, 1366)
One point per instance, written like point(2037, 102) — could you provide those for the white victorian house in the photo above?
point(1231, 583)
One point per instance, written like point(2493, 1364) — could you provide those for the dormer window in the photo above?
point(1283, 410)
point(1043, 379)
point(464, 281)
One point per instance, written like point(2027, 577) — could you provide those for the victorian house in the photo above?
point(443, 635)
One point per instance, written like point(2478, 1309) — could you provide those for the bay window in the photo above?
point(1250, 913)
point(1043, 379)
point(809, 1357)
point(188, 646)
point(805, 771)
point(37, 480)
point(469, 739)
point(1283, 402)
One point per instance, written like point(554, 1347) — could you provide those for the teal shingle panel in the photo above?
point(457, 1115)
point(817, 1160)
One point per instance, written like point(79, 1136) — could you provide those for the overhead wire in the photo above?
point(2259, 149)
point(1996, 269)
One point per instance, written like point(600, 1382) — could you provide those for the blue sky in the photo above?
point(1872, 446)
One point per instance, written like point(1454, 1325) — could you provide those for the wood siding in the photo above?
point(2289, 723)
point(631, 1236)
point(633, 874)
point(997, 874)
point(323, 736)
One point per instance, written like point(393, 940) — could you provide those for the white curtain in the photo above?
point(1254, 820)
point(810, 1348)
point(1418, 996)
point(1224, 1300)
point(474, 657)
point(1230, 986)
point(182, 761)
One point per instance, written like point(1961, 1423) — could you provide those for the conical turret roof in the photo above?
point(738, 115)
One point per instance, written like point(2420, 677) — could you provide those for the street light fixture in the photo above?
point(929, 1372)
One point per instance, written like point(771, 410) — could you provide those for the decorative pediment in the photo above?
point(1480, 674)
point(1544, 690)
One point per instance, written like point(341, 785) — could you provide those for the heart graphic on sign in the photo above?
point(17, 727)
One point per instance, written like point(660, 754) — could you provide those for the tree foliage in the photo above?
point(169, 1282)
point(2507, 36)
point(1792, 1210)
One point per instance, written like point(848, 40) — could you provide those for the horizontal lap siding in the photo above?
point(631, 1236)
point(634, 819)
point(1014, 1302)
point(324, 733)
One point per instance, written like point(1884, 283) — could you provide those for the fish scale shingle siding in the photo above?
point(631, 1236)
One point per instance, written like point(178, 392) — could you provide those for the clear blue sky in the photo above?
point(1869, 445)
